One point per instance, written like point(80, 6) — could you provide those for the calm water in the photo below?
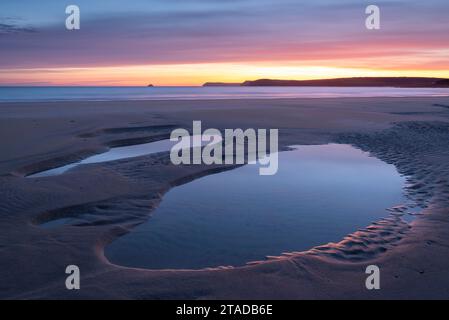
point(129, 152)
point(319, 195)
point(23, 94)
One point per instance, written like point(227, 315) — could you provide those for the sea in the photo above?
point(43, 94)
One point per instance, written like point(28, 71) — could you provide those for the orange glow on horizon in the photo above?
point(196, 74)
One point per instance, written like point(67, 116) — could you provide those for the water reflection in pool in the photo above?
point(319, 195)
point(131, 151)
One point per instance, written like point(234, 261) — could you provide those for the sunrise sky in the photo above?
point(189, 42)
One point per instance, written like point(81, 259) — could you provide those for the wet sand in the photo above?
point(411, 133)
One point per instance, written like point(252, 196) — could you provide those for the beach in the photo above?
point(410, 133)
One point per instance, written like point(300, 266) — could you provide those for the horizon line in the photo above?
point(216, 83)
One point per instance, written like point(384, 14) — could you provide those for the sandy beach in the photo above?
point(410, 133)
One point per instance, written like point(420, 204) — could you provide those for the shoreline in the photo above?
point(209, 100)
point(325, 274)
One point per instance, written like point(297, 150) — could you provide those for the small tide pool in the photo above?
point(125, 152)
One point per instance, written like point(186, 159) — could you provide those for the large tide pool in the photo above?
point(319, 195)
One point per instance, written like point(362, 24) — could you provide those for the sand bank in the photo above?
point(411, 133)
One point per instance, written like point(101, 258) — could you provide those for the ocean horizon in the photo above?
point(115, 93)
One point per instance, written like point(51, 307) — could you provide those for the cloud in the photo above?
point(9, 25)
point(232, 31)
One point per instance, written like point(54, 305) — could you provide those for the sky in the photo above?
point(189, 42)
